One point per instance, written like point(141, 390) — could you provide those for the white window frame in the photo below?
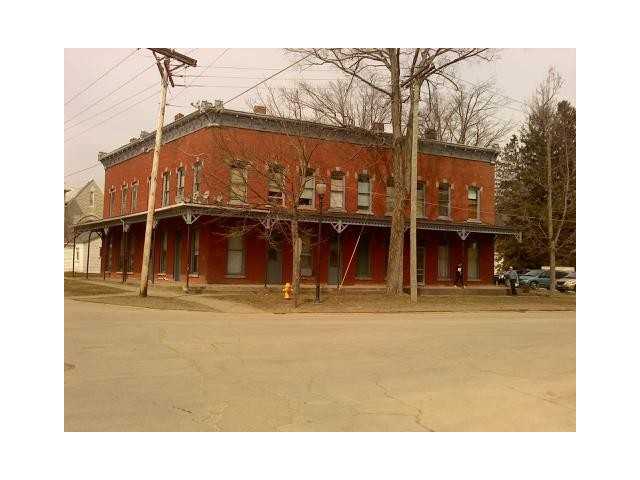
point(338, 189)
point(180, 181)
point(275, 194)
point(421, 207)
point(166, 188)
point(197, 176)
point(238, 190)
point(358, 182)
point(309, 185)
point(477, 190)
point(448, 215)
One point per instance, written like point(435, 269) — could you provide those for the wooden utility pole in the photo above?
point(415, 99)
point(164, 65)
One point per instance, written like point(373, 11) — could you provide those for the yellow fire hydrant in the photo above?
point(287, 291)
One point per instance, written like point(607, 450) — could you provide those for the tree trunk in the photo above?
point(396, 236)
point(295, 277)
point(552, 246)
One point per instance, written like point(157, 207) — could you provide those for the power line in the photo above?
point(268, 78)
point(173, 97)
point(80, 171)
point(112, 106)
point(109, 94)
point(102, 76)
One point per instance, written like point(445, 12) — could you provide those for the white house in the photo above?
point(82, 204)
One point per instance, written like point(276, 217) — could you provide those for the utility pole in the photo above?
point(163, 60)
point(415, 99)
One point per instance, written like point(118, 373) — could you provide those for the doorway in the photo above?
point(420, 265)
point(274, 265)
point(335, 260)
point(176, 257)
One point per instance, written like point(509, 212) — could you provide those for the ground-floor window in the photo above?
point(306, 265)
point(163, 252)
point(195, 251)
point(473, 262)
point(235, 255)
point(443, 262)
point(363, 265)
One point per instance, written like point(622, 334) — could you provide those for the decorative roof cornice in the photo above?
point(220, 117)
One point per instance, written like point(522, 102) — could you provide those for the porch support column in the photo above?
point(123, 248)
point(88, 250)
point(189, 218)
point(73, 257)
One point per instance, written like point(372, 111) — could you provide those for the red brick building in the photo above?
point(228, 182)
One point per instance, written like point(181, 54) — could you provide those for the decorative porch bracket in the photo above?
point(125, 226)
point(189, 217)
point(155, 223)
point(106, 230)
point(267, 223)
point(518, 236)
point(339, 226)
point(463, 234)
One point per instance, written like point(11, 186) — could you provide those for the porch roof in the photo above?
point(339, 220)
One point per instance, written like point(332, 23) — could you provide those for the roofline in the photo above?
point(216, 117)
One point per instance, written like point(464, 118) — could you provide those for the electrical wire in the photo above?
point(120, 62)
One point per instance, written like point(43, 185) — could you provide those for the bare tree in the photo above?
point(393, 72)
point(466, 115)
point(342, 103)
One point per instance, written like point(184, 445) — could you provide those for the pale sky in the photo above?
point(89, 128)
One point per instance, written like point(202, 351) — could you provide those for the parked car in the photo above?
point(567, 283)
point(539, 278)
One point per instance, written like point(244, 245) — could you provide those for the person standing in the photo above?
point(512, 277)
point(459, 280)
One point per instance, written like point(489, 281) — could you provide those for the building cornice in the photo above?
point(220, 117)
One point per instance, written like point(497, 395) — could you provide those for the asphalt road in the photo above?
point(136, 369)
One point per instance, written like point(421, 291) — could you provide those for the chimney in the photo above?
point(430, 134)
point(260, 109)
point(143, 134)
point(178, 117)
point(219, 104)
point(377, 127)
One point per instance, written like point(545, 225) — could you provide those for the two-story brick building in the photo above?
point(230, 182)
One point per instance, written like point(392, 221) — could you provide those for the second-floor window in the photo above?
point(473, 203)
point(444, 199)
point(308, 190)
point(391, 193)
point(123, 206)
point(420, 199)
point(276, 185)
point(112, 202)
point(336, 199)
point(180, 187)
point(238, 179)
point(197, 177)
point(134, 197)
point(364, 193)
point(165, 189)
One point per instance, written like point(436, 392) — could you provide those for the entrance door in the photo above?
point(176, 257)
point(421, 267)
point(334, 261)
point(274, 265)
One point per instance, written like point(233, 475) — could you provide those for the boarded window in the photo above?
point(473, 203)
point(235, 255)
point(363, 265)
point(444, 200)
point(473, 262)
point(443, 262)
point(336, 199)
point(364, 193)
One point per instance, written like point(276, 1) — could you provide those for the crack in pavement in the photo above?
point(417, 417)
